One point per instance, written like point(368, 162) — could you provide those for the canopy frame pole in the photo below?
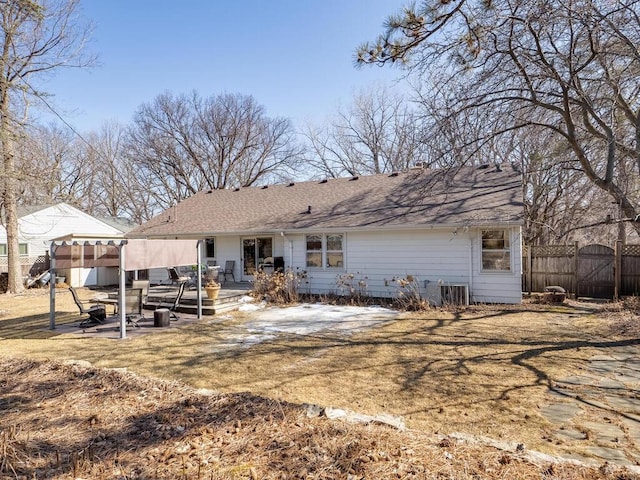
point(199, 279)
point(52, 287)
point(121, 293)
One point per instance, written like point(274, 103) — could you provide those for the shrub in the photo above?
point(278, 287)
point(353, 287)
point(408, 296)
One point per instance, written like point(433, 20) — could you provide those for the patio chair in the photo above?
point(97, 313)
point(172, 307)
point(175, 277)
point(133, 306)
point(229, 266)
point(144, 286)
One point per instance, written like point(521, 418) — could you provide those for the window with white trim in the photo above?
point(334, 252)
point(24, 249)
point(325, 250)
point(496, 251)
point(210, 247)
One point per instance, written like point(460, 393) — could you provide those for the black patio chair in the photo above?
point(172, 307)
point(229, 266)
point(97, 313)
point(175, 277)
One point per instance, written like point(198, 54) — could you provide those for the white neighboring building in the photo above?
point(38, 225)
point(455, 232)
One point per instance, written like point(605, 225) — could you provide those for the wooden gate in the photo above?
point(596, 272)
point(590, 271)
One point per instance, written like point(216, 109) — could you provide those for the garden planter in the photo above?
point(212, 292)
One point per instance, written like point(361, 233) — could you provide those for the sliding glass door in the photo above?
point(254, 252)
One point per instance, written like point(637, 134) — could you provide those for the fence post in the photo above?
point(617, 271)
point(575, 270)
point(529, 272)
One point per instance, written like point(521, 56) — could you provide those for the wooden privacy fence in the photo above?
point(590, 271)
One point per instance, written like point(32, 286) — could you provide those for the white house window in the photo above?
point(314, 250)
point(335, 257)
point(24, 250)
point(327, 250)
point(496, 250)
point(210, 247)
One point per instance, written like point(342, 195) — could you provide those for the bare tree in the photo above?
point(185, 144)
point(36, 37)
point(569, 67)
point(44, 163)
point(123, 188)
point(377, 133)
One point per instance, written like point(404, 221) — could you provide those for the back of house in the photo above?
point(452, 234)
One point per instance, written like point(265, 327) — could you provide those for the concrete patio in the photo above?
point(160, 296)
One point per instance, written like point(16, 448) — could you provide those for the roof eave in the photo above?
point(276, 231)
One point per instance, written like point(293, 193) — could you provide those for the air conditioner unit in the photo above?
point(454, 294)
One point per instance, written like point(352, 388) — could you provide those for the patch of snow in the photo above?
point(306, 319)
point(249, 307)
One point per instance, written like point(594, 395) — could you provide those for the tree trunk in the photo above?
point(15, 283)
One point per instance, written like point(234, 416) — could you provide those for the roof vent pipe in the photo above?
point(309, 209)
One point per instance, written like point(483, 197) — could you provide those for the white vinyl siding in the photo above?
point(427, 256)
point(431, 257)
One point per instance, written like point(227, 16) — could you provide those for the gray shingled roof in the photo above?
point(415, 198)
point(121, 223)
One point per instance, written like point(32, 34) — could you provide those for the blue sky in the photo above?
point(295, 56)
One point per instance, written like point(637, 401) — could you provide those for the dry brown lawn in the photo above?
point(484, 371)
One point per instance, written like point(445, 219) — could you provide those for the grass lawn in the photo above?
point(485, 371)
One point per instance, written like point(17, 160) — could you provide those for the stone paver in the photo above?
point(579, 380)
point(605, 432)
point(623, 404)
point(611, 384)
point(609, 389)
point(560, 413)
point(632, 425)
point(610, 454)
point(570, 434)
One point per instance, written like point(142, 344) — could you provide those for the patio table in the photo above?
point(107, 301)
